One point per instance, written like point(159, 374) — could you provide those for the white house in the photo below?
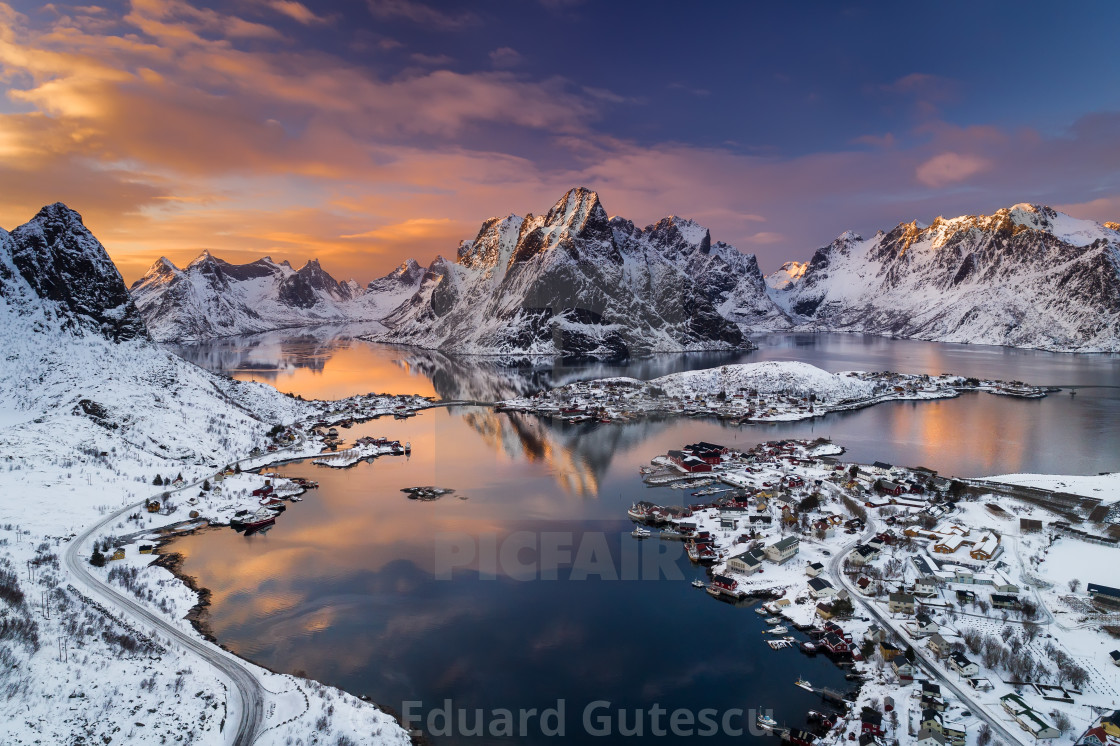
point(820, 588)
point(813, 569)
point(962, 665)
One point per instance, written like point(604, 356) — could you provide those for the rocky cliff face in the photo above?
point(1027, 276)
point(573, 282)
point(54, 268)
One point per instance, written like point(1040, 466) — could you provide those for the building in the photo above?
point(824, 610)
point(928, 737)
point(903, 669)
point(986, 548)
point(932, 720)
point(820, 588)
point(863, 554)
point(938, 645)
point(873, 634)
point(871, 722)
point(784, 550)
point(949, 544)
point(1004, 601)
point(900, 603)
point(747, 563)
point(1095, 737)
point(1035, 724)
point(922, 626)
point(888, 651)
point(962, 665)
point(1115, 655)
point(1104, 595)
point(813, 569)
point(926, 586)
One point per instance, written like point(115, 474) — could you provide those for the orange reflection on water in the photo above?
point(346, 370)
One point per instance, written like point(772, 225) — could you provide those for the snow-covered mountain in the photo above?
point(80, 370)
point(1027, 276)
point(213, 298)
point(573, 282)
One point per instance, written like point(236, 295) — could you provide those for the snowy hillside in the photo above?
point(1027, 276)
point(772, 377)
point(573, 282)
point(90, 410)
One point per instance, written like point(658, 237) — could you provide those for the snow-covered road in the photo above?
point(246, 705)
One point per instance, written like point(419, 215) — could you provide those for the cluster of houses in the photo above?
point(698, 457)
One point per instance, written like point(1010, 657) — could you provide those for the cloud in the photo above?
point(297, 12)
point(505, 57)
point(431, 60)
point(419, 13)
point(950, 168)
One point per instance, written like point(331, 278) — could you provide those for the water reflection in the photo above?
point(343, 587)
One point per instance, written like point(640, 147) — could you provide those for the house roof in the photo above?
point(902, 598)
point(926, 734)
point(819, 584)
point(816, 565)
point(786, 543)
point(1103, 590)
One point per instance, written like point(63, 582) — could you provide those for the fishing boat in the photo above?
point(766, 722)
point(640, 532)
point(408, 447)
point(697, 583)
point(803, 684)
point(261, 518)
point(808, 647)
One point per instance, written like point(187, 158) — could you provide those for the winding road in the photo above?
point(934, 671)
point(246, 693)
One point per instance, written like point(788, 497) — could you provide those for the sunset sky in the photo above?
point(367, 131)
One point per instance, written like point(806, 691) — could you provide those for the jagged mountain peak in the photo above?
point(67, 273)
point(576, 206)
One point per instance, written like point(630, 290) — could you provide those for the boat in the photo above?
point(408, 447)
point(261, 518)
point(779, 630)
point(803, 684)
point(641, 532)
point(774, 620)
point(808, 647)
point(638, 512)
point(761, 611)
point(766, 722)
point(295, 498)
point(697, 583)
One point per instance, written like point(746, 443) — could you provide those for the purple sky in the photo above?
point(363, 133)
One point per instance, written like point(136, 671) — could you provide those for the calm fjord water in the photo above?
point(343, 589)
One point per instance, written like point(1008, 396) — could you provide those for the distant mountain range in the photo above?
point(574, 282)
point(1027, 276)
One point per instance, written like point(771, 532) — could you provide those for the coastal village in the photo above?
point(758, 392)
point(963, 612)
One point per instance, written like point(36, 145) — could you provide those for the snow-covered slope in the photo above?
point(772, 377)
point(78, 359)
point(573, 282)
point(213, 298)
point(90, 410)
point(1027, 276)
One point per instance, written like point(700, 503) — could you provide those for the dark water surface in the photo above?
point(344, 587)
